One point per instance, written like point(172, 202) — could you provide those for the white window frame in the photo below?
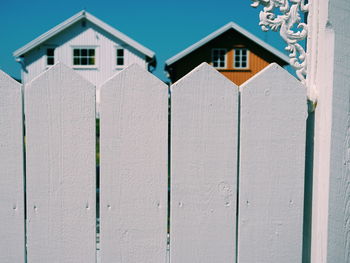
point(96, 48)
point(212, 57)
point(240, 56)
point(116, 57)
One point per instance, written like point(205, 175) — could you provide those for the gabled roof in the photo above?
point(220, 31)
point(70, 21)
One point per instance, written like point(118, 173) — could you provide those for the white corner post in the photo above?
point(329, 75)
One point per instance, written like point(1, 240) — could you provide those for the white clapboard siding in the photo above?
point(204, 127)
point(134, 138)
point(271, 178)
point(11, 171)
point(60, 158)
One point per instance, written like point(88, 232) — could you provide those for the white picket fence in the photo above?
point(236, 159)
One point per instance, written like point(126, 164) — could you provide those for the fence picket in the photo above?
point(204, 126)
point(11, 175)
point(60, 138)
point(271, 184)
point(134, 138)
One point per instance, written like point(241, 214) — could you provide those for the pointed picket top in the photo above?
point(11, 175)
point(204, 132)
point(204, 75)
point(7, 81)
point(60, 167)
point(133, 167)
point(63, 75)
point(135, 74)
point(277, 79)
point(272, 159)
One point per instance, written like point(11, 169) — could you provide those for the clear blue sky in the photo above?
point(166, 27)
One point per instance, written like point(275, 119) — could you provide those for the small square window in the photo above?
point(120, 52)
point(76, 61)
point(50, 61)
point(241, 58)
point(219, 57)
point(50, 56)
point(120, 57)
point(50, 51)
point(84, 57)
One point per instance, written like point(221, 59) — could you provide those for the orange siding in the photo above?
point(239, 76)
point(259, 58)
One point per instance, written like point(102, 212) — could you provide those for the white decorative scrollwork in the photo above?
point(289, 24)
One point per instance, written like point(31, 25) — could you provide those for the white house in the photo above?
point(88, 45)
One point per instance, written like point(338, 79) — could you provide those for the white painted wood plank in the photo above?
point(328, 73)
point(134, 138)
point(11, 173)
point(339, 185)
point(272, 158)
point(204, 127)
point(60, 158)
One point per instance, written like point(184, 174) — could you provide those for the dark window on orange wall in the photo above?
point(219, 57)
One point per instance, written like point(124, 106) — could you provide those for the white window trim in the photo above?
point(97, 57)
point(115, 57)
point(234, 58)
point(212, 57)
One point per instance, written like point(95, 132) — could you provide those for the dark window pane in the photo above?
point(244, 52)
point(237, 52)
point(237, 58)
point(50, 52)
point(91, 61)
point(237, 65)
point(219, 58)
point(84, 52)
point(92, 52)
point(120, 52)
point(244, 64)
point(76, 52)
point(244, 58)
point(84, 61)
point(120, 61)
point(76, 61)
point(50, 61)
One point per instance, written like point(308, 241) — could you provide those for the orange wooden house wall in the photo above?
point(258, 58)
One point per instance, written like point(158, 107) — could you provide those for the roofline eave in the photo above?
point(83, 14)
point(220, 31)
